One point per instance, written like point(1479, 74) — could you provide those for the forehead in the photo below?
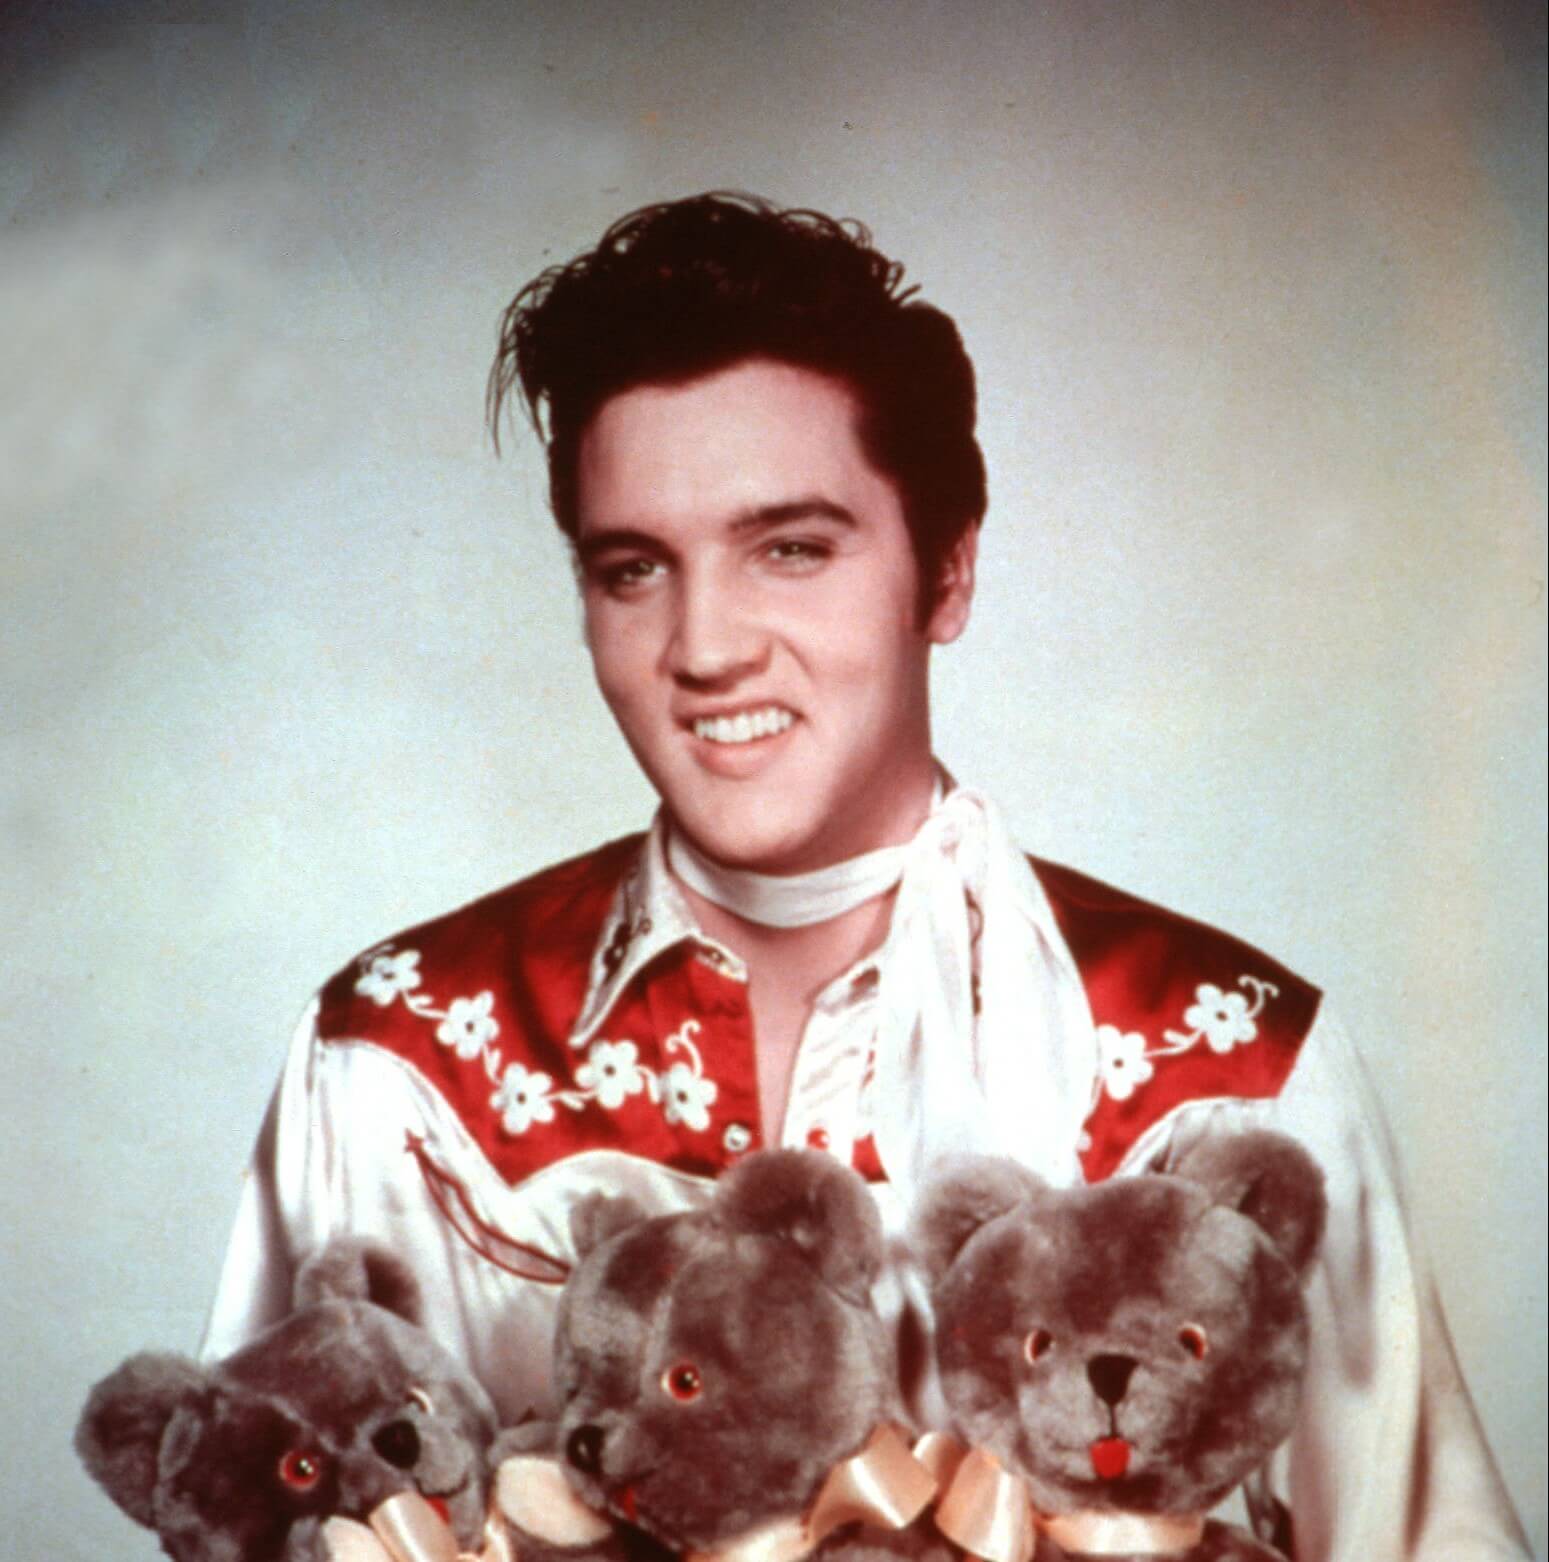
point(756, 435)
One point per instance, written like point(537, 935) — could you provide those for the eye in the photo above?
point(301, 1469)
point(683, 1382)
point(624, 576)
point(1194, 1340)
point(1038, 1344)
point(798, 550)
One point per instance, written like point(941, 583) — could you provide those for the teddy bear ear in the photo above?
point(353, 1271)
point(119, 1434)
point(964, 1193)
point(1267, 1177)
point(595, 1217)
point(814, 1202)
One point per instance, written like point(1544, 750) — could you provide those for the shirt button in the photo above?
point(817, 1138)
point(737, 1138)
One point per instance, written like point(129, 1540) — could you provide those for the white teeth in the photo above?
point(745, 726)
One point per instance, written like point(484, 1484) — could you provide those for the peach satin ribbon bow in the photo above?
point(530, 1491)
point(987, 1511)
point(885, 1485)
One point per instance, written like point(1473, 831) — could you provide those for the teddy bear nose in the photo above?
point(583, 1448)
point(398, 1443)
point(1110, 1376)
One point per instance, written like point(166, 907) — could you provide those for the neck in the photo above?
point(787, 969)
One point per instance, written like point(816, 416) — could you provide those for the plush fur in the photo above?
point(330, 1411)
point(1165, 1310)
point(714, 1366)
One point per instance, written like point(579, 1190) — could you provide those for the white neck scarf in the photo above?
point(793, 900)
point(986, 1041)
point(984, 1038)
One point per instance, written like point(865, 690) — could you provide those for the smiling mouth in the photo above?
point(765, 721)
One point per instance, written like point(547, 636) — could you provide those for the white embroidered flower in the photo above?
point(469, 1023)
point(612, 1071)
point(686, 1097)
point(523, 1099)
point(388, 975)
point(1222, 1018)
point(1121, 1055)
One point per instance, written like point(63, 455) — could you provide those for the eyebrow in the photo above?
point(759, 518)
point(808, 508)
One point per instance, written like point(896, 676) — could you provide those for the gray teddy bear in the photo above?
point(719, 1370)
point(1131, 1350)
point(341, 1405)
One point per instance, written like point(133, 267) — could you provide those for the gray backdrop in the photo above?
point(1257, 297)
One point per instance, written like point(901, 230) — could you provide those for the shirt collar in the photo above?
point(650, 916)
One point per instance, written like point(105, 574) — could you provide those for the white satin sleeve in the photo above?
point(333, 1159)
point(283, 1211)
point(1388, 1462)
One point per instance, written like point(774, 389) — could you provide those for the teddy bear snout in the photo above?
point(583, 1448)
point(399, 1443)
point(1109, 1375)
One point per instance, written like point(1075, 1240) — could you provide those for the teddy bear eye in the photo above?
point(1194, 1340)
point(301, 1469)
point(1038, 1344)
point(683, 1382)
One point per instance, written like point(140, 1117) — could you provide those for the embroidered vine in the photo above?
point(1220, 1019)
point(610, 1074)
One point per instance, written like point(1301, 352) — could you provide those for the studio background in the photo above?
point(288, 660)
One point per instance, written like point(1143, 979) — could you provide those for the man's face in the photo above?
point(751, 609)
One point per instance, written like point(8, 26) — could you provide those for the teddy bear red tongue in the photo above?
point(443, 1512)
point(1110, 1457)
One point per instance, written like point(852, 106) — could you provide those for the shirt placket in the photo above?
point(824, 1107)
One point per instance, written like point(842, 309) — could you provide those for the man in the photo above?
point(763, 452)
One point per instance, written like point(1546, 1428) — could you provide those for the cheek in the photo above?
point(622, 658)
point(873, 665)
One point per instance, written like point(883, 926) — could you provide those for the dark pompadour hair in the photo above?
point(679, 290)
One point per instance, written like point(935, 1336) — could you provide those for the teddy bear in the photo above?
point(283, 1451)
point(726, 1389)
point(1121, 1354)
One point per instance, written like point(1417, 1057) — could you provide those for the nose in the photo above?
point(583, 1448)
point(716, 639)
point(1110, 1376)
point(398, 1443)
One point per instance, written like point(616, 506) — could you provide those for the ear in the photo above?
point(595, 1217)
point(815, 1203)
point(119, 1434)
point(1269, 1178)
point(353, 1271)
point(954, 591)
point(965, 1193)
